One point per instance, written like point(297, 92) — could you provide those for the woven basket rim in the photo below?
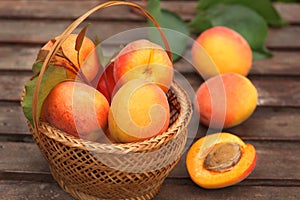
point(180, 123)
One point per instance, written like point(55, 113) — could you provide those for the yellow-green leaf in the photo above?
point(52, 77)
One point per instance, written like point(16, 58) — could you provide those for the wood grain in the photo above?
point(21, 57)
point(12, 120)
point(273, 128)
point(272, 91)
point(16, 190)
point(266, 123)
point(40, 31)
point(11, 86)
point(171, 189)
point(282, 63)
point(56, 10)
point(186, 190)
point(16, 163)
point(282, 155)
point(18, 57)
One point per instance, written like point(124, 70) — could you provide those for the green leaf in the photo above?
point(174, 28)
point(261, 53)
point(104, 60)
point(52, 76)
point(37, 66)
point(243, 20)
point(263, 7)
point(200, 22)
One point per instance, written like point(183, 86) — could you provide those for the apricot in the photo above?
point(220, 50)
point(143, 59)
point(139, 110)
point(225, 100)
point(77, 109)
point(220, 160)
point(87, 61)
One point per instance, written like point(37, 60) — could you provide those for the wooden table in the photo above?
point(274, 128)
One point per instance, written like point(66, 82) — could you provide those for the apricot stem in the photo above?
point(78, 61)
point(223, 156)
point(73, 69)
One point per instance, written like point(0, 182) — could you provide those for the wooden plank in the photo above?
point(276, 161)
point(186, 190)
point(285, 93)
point(282, 63)
point(17, 57)
point(273, 91)
point(269, 123)
point(283, 38)
point(16, 190)
point(56, 10)
point(12, 119)
point(40, 31)
point(21, 57)
point(266, 123)
point(289, 11)
point(11, 86)
point(22, 157)
point(171, 189)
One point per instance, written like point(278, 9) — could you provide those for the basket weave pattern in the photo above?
point(90, 170)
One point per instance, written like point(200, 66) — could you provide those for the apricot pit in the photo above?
point(223, 157)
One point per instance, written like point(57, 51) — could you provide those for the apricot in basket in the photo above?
point(77, 109)
point(68, 57)
point(139, 110)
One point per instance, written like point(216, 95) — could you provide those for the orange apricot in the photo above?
point(225, 48)
point(220, 160)
point(225, 100)
point(139, 110)
point(142, 59)
point(87, 61)
point(77, 109)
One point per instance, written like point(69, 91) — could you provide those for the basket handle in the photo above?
point(68, 31)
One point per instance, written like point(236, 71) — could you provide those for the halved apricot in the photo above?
point(220, 160)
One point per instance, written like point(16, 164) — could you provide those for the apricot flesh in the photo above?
point(226, 48)
point(77, 109)
point(139, 110)
point(142, 59)
point(225, 100)
point(211, 179)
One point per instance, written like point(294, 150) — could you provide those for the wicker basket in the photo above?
point(90, 170)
